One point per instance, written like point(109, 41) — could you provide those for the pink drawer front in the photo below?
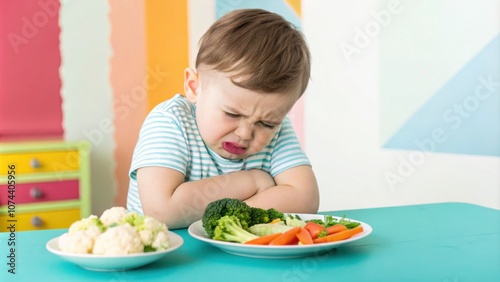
point(37, 192)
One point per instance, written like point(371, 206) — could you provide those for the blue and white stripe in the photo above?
point(169, 138)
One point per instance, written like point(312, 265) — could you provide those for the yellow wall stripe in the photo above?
point(166, 47)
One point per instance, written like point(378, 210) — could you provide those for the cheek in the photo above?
point(207, 130)
point(212, 128)
point(262, 138)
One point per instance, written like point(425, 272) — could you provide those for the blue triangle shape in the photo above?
point(279, 7)
point(463, 117)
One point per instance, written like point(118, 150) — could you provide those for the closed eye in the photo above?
point(266, 125)
point(232, 115)
point(263, 124)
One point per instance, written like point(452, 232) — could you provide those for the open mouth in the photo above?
point(233, 148)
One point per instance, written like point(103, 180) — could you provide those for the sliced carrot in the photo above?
point(287, 238)
point(295, 241)
point(264, 240)
point(304, 237)
point(339, 236)
point(314, 229)
point(335, 228)
point(276, 220)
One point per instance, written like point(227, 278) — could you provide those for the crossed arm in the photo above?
point(166, 196)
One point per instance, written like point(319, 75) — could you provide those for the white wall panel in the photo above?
point(86, 90)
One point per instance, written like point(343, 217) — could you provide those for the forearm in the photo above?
point(188, 201)
point(286, 198)
point(296, 190)
point(191, 198)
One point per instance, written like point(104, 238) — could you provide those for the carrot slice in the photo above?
point(314, 229)
point(264, 240)
point(287, 238)
point(335, 228)
point(339, 236)
point(304, 237)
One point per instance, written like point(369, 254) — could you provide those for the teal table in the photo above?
point(448, 242)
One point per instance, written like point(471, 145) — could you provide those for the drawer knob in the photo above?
point(34, 163)
point(36, 221)
point(36, 193)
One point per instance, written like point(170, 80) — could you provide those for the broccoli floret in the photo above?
point(260, 216)
point(274, 214)
point(230, 229)
point(226, 206)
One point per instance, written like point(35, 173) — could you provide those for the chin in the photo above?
point(233, 157)
point(230, 156)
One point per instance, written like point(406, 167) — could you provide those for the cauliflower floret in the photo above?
point(119, 240)
point(131, 217)
point(153, 233)
point(79, 242)
point(113, 215)
point(162, 241)
point(116, 232)
point(92, 225)
point(81, 235)
point(148, 229)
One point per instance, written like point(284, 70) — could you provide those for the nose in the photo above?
point(244, 130)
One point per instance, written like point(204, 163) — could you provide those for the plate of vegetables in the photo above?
point(236, 228)
point(117, 240)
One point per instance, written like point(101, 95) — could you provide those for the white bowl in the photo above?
point(114, 263)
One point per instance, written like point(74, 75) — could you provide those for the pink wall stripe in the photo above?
point(30, 100)
point(129, 80)
point(297, 118)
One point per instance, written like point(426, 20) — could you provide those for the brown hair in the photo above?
point(260, 49)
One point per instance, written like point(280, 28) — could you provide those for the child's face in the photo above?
point(236, 122)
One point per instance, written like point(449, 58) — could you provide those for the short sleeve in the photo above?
point(161, 143)
point(287, 152)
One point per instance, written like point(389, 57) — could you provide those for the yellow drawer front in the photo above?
point(40, 220)
point(33, 162)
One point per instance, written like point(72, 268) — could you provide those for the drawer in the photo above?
point(41, 220)
point(33, 162)
point(39, 192)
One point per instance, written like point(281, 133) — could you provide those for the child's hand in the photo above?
point(263, 180)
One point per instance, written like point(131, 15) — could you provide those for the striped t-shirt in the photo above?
point(169, 138)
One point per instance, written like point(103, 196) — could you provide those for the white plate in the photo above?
point(197, 231)
point(114, 263)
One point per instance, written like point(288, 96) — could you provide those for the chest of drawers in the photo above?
point(43, 185)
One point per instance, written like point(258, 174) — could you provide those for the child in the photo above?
point(229, 137)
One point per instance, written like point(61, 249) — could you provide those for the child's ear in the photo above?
point(191, 84)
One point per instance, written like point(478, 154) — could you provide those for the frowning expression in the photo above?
point(235, 122)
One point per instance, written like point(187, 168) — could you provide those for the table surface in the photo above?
point(446, 242)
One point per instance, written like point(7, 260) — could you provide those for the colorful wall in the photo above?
point(403, 105)
point(405, 98)
point(141, 49)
